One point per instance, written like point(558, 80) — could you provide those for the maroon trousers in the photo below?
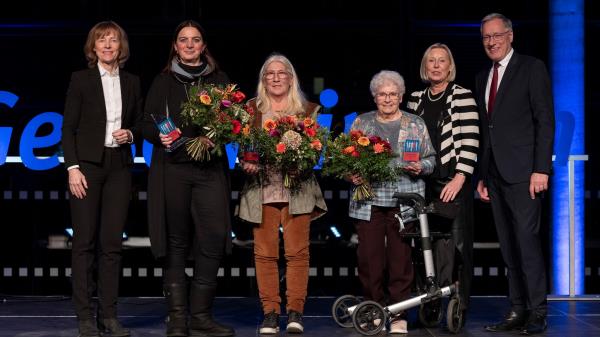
point(382, 248)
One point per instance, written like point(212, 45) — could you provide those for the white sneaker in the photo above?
point(399, 326)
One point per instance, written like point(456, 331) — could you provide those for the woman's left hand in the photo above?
point(452, 188)
point(414, 168)
point(122, 136)
point(207, 141)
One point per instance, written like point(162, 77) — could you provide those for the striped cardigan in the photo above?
point(458, 128)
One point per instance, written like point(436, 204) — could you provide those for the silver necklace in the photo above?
point(431, 99)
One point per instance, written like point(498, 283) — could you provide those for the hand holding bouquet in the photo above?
point(291, 146)
point(220, 114)
point(361, 155)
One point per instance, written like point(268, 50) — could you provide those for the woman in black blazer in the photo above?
point(188, 201)
point(103, 111)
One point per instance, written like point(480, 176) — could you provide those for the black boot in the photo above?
point(176, 295)
point(202, 323)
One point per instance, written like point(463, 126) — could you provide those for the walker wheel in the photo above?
point(340, 312)
point(369, 318)
point(454, 316)
point(430, 313)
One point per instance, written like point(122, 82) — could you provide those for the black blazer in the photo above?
point(84, 122)
point(520, 132)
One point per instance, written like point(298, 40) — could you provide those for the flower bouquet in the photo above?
point(291, 146)
point(220, 114)
point(365, 155)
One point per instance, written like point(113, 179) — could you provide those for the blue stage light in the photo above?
point(328, 98)
point(567, 72)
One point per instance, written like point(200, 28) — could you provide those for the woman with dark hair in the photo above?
point(188, 201)
point(103, 112)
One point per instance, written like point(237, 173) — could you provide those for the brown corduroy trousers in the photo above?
point(296, 229)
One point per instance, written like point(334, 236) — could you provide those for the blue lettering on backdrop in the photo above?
point(10, 100)
point(29, 141)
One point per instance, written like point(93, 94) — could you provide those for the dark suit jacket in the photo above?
point(520, 132)
point(84, 122)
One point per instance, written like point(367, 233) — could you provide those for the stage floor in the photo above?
point(53, 316)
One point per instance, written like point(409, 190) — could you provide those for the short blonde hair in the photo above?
point(451, 76)
point(100, 30)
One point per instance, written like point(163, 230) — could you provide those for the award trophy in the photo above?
point(166, 126)
point(250, 154)
point(411, 150)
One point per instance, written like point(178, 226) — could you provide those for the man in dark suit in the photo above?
point(102, 114)
point(517, 116)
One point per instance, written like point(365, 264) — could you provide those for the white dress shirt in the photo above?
point(111, 86)
point(501, 70)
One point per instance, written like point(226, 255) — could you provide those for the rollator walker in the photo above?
point(369, 317)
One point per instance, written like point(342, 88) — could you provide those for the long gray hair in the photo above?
point(295, 97)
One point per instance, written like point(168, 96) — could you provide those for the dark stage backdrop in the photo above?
point(339, 43)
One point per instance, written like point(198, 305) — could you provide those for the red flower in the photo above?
point(310, 132)
point(280, 148)
point(355, 154)
point(237, 126)
point(238, 97)
point(355, 134)
point(375, 139)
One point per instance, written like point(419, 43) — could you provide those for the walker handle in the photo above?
point(410, 199)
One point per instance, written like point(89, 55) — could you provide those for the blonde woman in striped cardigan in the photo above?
point(450, 113)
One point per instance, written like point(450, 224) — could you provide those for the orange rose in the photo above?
point(205, 99)
point(316, 144)
point(308, 122)
point(280, 148)
point(364, 141)
point(349, 150)
point(246, 130)
point(378, 148)
point(269, 124)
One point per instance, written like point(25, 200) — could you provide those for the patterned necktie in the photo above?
point(493, 89)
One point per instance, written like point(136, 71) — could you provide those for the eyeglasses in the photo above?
point(391, 95)
point(495, 37)
point(283, 75)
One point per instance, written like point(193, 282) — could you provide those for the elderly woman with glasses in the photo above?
point(381, 245)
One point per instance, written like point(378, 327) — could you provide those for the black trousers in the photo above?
point(98, 222)
point(517, 219)
point(197, 206)
point(453, 257)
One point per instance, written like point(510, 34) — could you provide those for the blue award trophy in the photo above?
point(166, 126)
